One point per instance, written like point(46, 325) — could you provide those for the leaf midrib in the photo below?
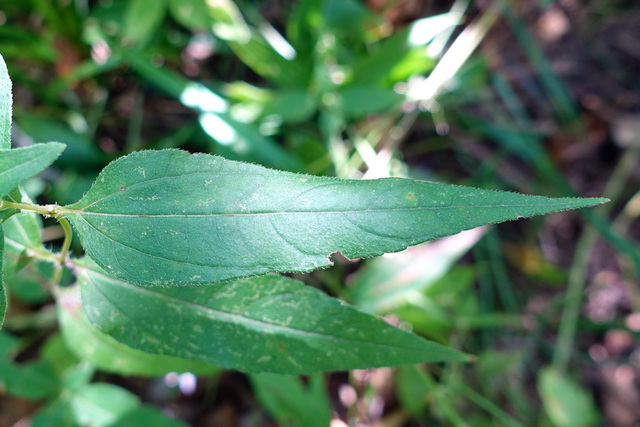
point(80, 212)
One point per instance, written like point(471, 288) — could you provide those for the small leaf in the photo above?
point(3, 292)
point(21, 163)
point(192, 14)
point(261, 324)
point(90, 344)
point(291, 402)
point(142, 19)
point(565, 401)
point(169, 217)
point(101, 404)
point(6, 103)
point(14, 195)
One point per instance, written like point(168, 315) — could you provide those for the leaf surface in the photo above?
point(21, 163)
point(90, 344)
point(6, 104)
point(169, 217)
point(262, 324)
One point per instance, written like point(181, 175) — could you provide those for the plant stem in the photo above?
point(46, 210)
point(52, 211)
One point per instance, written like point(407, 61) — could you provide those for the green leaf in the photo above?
point(14, 195)
point(192, 14)
point(31, 380)
point(169, 217)
point(58, 413)
point(413, 386)
point(3, 293)
point(6, 103)
point(262, 324)
point(291, 402)
point(21, 163)
point(107, 354)
point(101, 404)
point(142, 19)
point(253, 47)
point(359, 101)
point(146, 416)
point(565, 401)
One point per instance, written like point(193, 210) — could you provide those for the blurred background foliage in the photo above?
point(535, 96)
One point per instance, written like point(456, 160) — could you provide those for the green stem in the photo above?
point(46, 210)
point(68, 234)
point(51, 211)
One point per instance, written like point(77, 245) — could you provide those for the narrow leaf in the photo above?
point(262, 324)
point(169, 217)
point(5, 106)
point(21, 163)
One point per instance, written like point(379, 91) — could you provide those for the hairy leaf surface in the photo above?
point(21, 163)
point(262, 324)
point(5, 106)
point(169, 217)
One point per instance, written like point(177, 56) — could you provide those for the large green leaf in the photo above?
point(107, 354)
point(169, 217)
point(5, 106)
point(21, 163)
point(262, 324)
point(3, 293)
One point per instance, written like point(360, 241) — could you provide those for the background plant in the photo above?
point(479, 307)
